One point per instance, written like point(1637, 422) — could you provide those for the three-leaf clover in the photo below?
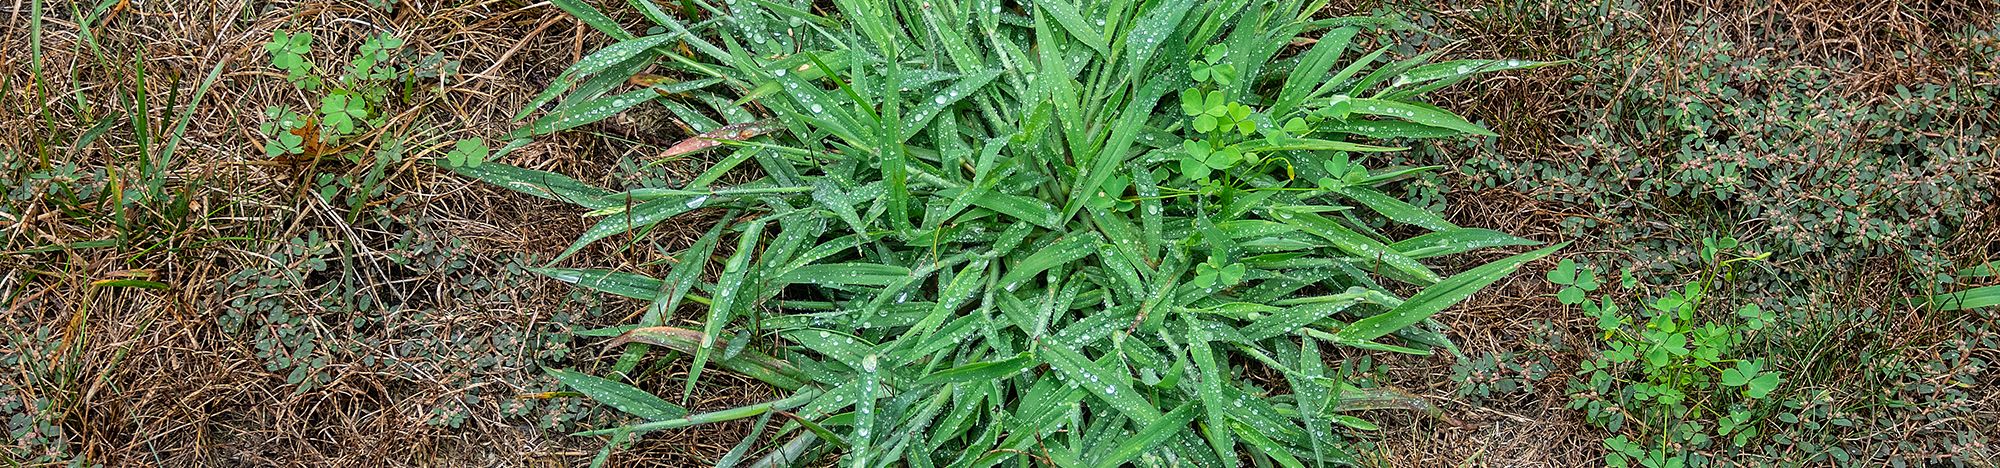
point(1297, 126)
point(1737, 422)
point(279, 120)
point(1213, 274)
point(381, 45)
point(1213, 112)
point(341, 111)
point(1751, 376)
point(278, 126)
point(1712, 246)
point(1576, 281)
point(329, 186)
point(1341, 172)
point(373, 52)
point(1210, 68)
point(1667, 345)
point(1621, 451)
point(288, 50)
point(1109, 196)
point(284, 143)
point(1607, 316)
point(1754, 316)
point(470, 152)
point(1201, 158)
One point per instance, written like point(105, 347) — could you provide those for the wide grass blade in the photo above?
point(619, 395)
point(1173, 423)
point(728, 296)
point(1437, 297)
point(1966, 300)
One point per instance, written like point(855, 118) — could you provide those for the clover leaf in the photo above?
point(342, 111)
point(1209, 274)
point(1750, 375)
point(467, 153)
point(1754, 316)
point(284, 143)
point(1576, 281)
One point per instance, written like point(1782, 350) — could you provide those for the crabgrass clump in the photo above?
point(1083, 227)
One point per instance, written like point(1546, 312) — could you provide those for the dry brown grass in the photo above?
point(150, 379)
point(1894, 43)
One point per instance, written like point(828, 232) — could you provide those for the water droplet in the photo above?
point(696, 202)
point(780, 72)
point(824, 335)
point(869, 363)
point(996, 9)
point(940, 99)
point(1108, 390)
point(817, 109)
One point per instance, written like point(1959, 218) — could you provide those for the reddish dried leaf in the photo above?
point(732, 132)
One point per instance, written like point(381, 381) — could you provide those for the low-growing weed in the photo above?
point(1674, 381)
point(347, 123)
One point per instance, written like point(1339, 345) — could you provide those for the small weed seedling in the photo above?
point(351, 108)
point(1677, 377)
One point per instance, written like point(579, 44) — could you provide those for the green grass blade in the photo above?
point(1356, 244)
point(920, 116)
point(1418, 113)
point(1312, 68)
point(868, 389)
point(1173, 423)
point(1396, 210)
point(850, 274)
point(987, 371)
point(637, 217)
point(1455, 241)
point(1967, 300)
point(596, 19)
point(732, 414)
point(1437, 297)
point(1210, 390)
point(542, 184)
point(619, 283)
point(583, 114)
point(692, 263)
point(1067, 15)
point(1109, 386)
point(619, 395)
point(1387, 129)
point(1266, 446)
point(728, 292)
point(751, 363)
point(1069, 249)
